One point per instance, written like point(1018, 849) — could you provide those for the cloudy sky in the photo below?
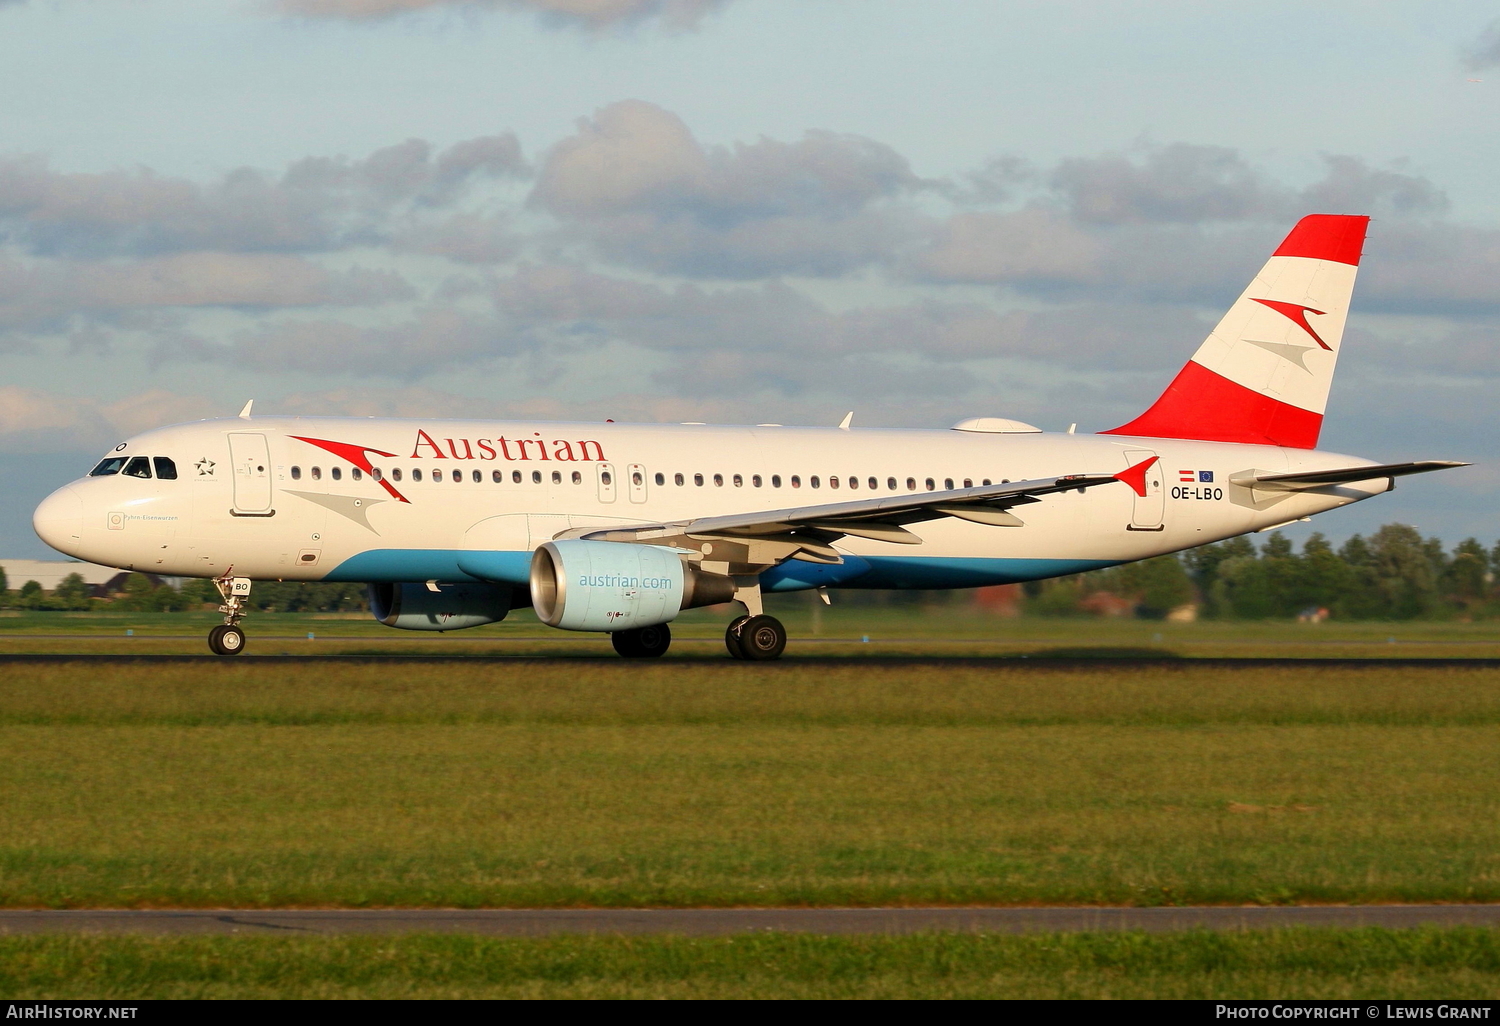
point(732, 211)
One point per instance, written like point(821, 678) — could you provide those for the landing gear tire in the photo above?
point(643, 642)
point(761, 638)
point(226, 640)
point(732, 636)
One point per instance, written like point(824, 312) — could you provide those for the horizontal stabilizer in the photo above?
point(1345, 475)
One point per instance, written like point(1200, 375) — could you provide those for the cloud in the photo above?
point(1484, 52)
point(433, 340)
point(1188, 184)
point(590, 14)
point(317, 204)
point(44, 295)
point(636, 183)
point(34, 421)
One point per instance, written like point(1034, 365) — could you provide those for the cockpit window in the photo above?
point(166, 470)
point(139, 466)
point(108, 465)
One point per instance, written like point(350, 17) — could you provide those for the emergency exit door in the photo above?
point(1149, 508)
point(251, 458)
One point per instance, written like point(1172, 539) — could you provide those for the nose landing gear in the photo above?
point(228, 639)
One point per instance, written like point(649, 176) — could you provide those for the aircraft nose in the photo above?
point(58, 521)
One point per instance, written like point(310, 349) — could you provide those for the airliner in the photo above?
point(617, 528)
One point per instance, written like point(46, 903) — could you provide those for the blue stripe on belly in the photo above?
point(855, 572)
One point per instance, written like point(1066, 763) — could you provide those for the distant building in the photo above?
point(49, 573)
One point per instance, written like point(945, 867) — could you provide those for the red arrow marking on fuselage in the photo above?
point(355, 454)
point(1135, 476)
point(1297, 314)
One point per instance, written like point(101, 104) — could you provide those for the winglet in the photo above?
point(245, 413)
point(1135, 476)
point(848, 419)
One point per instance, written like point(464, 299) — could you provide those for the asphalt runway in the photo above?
point(720, 922)
point(1038, 661)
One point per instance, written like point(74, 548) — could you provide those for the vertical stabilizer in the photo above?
point(1262, 375)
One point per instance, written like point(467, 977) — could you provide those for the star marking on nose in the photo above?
point(205, 467)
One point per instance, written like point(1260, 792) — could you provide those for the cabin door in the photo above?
point(251, 459)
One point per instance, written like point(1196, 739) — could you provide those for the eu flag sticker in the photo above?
point(1206, 477)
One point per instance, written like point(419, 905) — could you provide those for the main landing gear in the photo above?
point(228, 639)
point(643, 642)
point(755, 638)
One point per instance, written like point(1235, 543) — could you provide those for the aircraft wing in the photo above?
point(806, 532)
point(1321, 478)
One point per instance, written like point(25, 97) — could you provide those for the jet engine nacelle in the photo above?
point(416, 607)
point(617, 586)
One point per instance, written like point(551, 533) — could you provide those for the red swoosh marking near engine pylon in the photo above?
point(355, 454)
point(1135, 476)
point(1297, 314)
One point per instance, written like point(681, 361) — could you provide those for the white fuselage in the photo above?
point(250, 497)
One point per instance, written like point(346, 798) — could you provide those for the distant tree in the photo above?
point(72, 592)
point(1404, 571)
point(1204, 563)
point(1159, 585)
point(1465, 579)
point(1325, 577)
point(31, 596)
point(4, 584)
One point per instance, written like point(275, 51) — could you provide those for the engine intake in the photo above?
point(453, 607)
point(616, 586)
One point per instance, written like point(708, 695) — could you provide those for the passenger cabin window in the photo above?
point(890, 483)
point(677, 478)
point(557, 477)
point(478, 477)
point(875, 483)
point(336, 473)
point(354, 473)
point(698, 480)
point(376, 474)
point(515, 477)
point(739, 482)
point(661, 478)
point(536, 477)
point(931, 486)
point(968, 483)
point(416, 473)
point(796, 481)
point(458, 476)
point(395, 473)
point(496, 476)
point(166, 470)
point(296, 473)
point(718, 480)
point(109, 465)
point(755, 480)
point(138, 466)
point(775, 480)
point(636, 478)
point(578, 477)
point(607, 478)
point(948, 483)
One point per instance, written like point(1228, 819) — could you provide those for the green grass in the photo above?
point(1349, 964)
point(821, 783)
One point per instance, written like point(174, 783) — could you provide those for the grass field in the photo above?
point(816, 632)
point(1353, 964)
point(822, 782)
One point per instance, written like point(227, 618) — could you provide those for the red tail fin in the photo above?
point(1262, 376)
